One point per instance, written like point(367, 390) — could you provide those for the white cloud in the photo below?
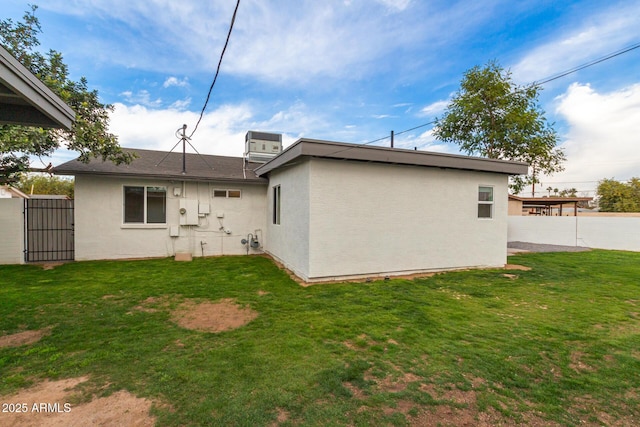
point(424, 141)
point(399, 5)
point(602, 141)
point(434, 108)
point(174, 81)
point(142, 97)
point(596, 36)
point(180, 104)
point(220, 132)
point(279, 41)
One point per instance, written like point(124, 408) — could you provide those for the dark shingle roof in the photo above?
point(149, 164)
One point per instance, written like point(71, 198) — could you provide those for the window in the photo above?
point(145, 205)
point(230, 194)
point(276, 204)
point(485, 202)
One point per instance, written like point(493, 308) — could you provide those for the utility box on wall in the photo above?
point(188, 212)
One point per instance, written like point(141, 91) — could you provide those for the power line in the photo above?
point(400, 133)
point(233, 20)
point(414, 128)
point(588, 64)
point(535, 83)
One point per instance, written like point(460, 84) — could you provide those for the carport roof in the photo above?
point(25, 100)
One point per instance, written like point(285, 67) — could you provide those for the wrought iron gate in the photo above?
point(48, 227)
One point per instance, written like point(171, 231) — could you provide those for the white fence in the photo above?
point(11, 231)
point(602, 233)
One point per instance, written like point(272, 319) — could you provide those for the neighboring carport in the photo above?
point(546, 205)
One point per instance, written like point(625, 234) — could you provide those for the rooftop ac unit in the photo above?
point(262, 146)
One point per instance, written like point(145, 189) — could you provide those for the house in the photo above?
point(325, 210)
point(10, 192)
point(154, 207)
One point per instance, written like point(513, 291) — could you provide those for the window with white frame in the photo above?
point(145, 205)
point(485, 202)
point(228, 194)
point(276, 204)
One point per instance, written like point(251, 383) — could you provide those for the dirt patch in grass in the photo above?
point(395, 385)
point(577, 364)
point(23, 338)
point(51, 265)
point(355, 391)
point(459, 408)
point(153, 304)
point(220, 316)
point(282, 417)
point(50, 404)
point(516, 267)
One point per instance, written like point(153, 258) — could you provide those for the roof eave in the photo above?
point(342, 151)
point(70, 172)
point(44, 109)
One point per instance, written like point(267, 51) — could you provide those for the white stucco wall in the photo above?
point(289, 241)
point(11, 231)
point(377, 219)
point(101, 234)
point(622, 233)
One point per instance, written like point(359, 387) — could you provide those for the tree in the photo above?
point(493, 117)
point(44, 184)
point(615, 196)
point(89, 135)
point(569, 192)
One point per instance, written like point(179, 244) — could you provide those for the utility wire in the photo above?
point(535, 83)
point(588, 64)
point(233, 20)
point(414, 128)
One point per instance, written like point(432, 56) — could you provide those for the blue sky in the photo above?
point(350, 70)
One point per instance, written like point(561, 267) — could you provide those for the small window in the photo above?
point(276, 204)
point(134, 205)
point(156, 205)
point(485, 202)
point(231, 194)
point(145, 205)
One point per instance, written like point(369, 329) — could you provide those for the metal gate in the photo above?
point(48, 227)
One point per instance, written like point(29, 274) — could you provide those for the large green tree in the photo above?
point(45, 184)
point(89, 135)
point(615, 196)
point(493, 117)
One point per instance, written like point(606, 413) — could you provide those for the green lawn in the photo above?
point(556, 345)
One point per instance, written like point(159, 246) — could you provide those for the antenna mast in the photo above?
point(185, 140)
